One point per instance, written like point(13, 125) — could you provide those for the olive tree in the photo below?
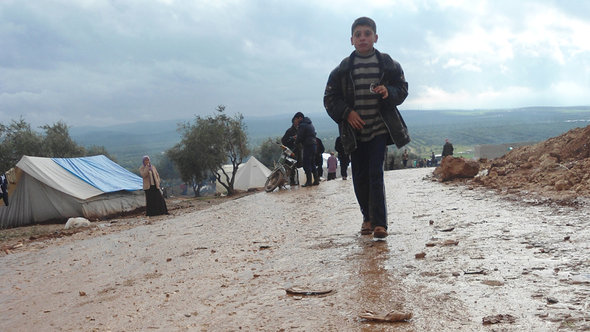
point(58, 143)
point(209, 143)
point(18, 139)
point(269, 151)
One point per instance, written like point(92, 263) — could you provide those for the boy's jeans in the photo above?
point(367, 178)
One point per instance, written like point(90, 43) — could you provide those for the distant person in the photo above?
point(4, 188)
point(343, 157)
point(306, 136)
point(361, 96)
point(319, 157)
point(155, 204)
point(288, 140)
point(391, 162)
point(447, 149)
point(405, 156)
point(432, 159)
point(332, 166)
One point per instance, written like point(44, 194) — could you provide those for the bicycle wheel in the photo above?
point(275, 179)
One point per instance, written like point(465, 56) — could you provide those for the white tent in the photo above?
point(251, 174)
point(59, 188)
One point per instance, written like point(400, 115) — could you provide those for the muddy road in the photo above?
point(519, 266)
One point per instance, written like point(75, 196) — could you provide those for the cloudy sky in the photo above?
point(100, 62)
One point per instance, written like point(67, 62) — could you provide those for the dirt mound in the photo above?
point(452, 168)
point(558, 168)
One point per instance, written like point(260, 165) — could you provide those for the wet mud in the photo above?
point(456, 259)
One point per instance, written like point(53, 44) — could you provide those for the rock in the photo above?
point(552, 300)
point(562, 185)
point(495, 283)
point(389, 317)
point(77, 222)
point(496, 319)
point(452, 168)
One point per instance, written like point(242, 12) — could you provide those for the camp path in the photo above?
point(454, 258)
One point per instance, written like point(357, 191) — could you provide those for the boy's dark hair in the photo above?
point(365, 21)
point(297, 115)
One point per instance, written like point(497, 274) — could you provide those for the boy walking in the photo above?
point(362, 95)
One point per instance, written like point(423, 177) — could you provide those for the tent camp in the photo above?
point(56, 188)
point(251, 174)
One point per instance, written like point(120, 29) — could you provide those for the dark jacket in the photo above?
point(320, 149)
point(338, 146)
point(288, 140)
point(447, 149)
point(3, 184)
point(339, 100)
point(306, 132)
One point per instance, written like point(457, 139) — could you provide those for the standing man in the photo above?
point(306, 136)
point(288, 140)
point(319, 157)
point(4, 188)
point(447, 149)
point(362, 95)
point(405, 158)
point(343, 157)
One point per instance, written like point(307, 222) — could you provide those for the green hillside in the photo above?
point(428, 130)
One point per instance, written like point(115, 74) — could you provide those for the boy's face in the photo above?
point(363, 39)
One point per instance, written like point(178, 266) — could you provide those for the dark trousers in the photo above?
point(344, 161)
point(309, 158)
point(320, 166)
point(367, 178)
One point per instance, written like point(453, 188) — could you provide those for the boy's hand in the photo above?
point(382, 90)
point(354, 119)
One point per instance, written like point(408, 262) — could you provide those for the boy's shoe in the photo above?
point(380, 232)
point(366, 228)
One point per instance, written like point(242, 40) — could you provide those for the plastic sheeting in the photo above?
point(54, 176)
point(101, 173)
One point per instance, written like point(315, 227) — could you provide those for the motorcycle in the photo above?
point(282, 171)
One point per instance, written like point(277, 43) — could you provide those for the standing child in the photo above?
point(332, 166)
point(362, 95)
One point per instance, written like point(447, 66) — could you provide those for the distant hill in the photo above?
point(428, 130)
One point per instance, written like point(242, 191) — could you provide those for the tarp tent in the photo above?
point(54, 188)
point(251, 174)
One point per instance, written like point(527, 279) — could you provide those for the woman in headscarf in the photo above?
point(154, 201)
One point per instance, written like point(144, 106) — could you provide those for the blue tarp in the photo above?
point(101, 173)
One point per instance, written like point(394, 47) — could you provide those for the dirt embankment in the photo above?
point(557, 169)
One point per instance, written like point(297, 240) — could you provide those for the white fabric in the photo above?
point(251, 174)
